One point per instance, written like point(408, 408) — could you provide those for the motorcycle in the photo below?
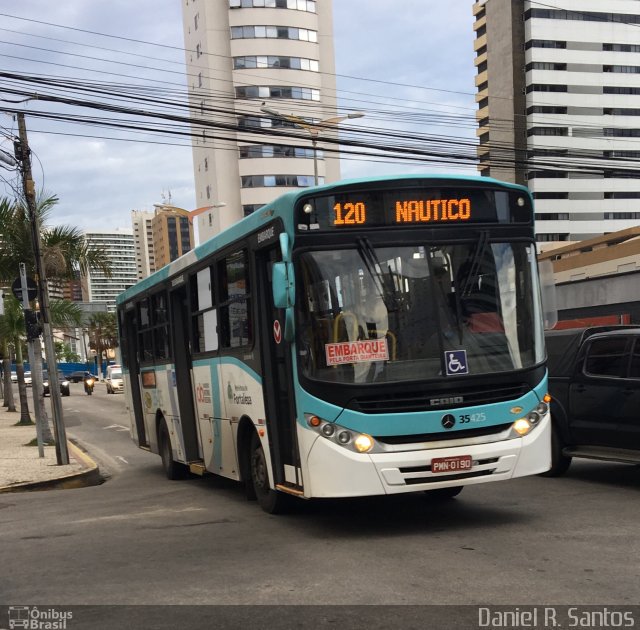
point(88, 385)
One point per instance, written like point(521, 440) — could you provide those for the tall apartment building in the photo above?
point(119, 248)
point(558, 109)
point(143, 243)
point(172, 234)
point(241, 54)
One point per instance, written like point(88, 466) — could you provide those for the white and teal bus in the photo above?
point(368, 337)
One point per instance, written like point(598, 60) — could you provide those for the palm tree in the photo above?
point(64, 250)
point(12, 329)
point(9, 402)
point(103, 334)
point(63, 314)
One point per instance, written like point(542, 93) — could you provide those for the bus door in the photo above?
point(130, 328)
point(182, 372)
point(277, 378)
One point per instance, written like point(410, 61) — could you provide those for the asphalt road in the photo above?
point(141, 539)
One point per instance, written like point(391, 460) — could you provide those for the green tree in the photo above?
point(103, 334)
point(64, 251)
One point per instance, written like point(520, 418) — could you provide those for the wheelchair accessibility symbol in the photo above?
point(456, 361)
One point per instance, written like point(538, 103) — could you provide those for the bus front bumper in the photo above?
point(334, 471)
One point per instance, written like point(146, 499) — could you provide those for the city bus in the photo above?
point(367, 337)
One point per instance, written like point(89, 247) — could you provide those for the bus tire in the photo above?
point(270, 500)
point(443, 494)
point(559, 462)
point(172, 469)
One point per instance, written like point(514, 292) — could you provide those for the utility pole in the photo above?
point(32, 343)
point(23, 155)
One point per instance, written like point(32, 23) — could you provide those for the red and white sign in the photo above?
point(357, 351)
point(277, 331)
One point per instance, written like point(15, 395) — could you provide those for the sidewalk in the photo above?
point(22, 469)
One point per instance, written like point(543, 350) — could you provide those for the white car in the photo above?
point(27, 379)
point(114, 379)
point(14, 377)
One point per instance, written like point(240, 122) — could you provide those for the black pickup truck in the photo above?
point(594, 382)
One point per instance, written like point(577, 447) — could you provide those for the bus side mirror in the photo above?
point(548, 294)
point(283, 288)
point(282, 285)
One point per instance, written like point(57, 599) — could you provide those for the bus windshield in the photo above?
point(371, 314)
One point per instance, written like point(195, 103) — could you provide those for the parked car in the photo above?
point(14, 377)
point(114, 379)
point(27, 379)
point(80, 375)
point(594, 382)
point(65, 389)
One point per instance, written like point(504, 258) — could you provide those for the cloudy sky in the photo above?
point(407, 64)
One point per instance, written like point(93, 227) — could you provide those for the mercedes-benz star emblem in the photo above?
point(448, 421)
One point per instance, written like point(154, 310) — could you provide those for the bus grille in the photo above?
point(403, 402)
point(443, 435)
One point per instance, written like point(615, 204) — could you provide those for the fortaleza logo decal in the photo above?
point(356, 351)
point(236, 393)
point(34, 618)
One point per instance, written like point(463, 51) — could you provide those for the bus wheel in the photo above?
point(441, 494)
point(559, 462)
point(173, 470)
point(270, 501)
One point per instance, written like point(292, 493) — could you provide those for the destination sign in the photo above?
point(409, 207)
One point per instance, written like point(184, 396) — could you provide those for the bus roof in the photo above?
point(280, 207)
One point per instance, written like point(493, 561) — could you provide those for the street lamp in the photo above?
point(312, 127)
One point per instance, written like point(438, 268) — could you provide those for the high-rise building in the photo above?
point(143, 242)
point(558, 109)
point(172, 234)
point(241, 54)
point(117, 245)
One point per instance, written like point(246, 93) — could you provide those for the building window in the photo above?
point(272, 61)
point(544, 43)
point(620, 132)
point(297, 5)
point(546, 109)
point(195, 20)
point(206, 165)
point(544, 87)
point(274, 32)
point(621, 47)
point(622, 194)
point(583, 16)
point(548, 131)
point(277, 151)
point(270, 181)
point(198, 50)
point(615, 89)
point(622, 69)
point(552, 216)
point(545, 65)
point(277, 91)
point(208, 192)
point(551, 195)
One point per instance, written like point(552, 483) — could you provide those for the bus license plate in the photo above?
point(451, 464)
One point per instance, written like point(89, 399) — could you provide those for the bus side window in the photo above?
point(235, 301)
point(204, 329)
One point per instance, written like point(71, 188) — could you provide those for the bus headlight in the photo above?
point(363, 443)
point(358, 442)
point(524, 425)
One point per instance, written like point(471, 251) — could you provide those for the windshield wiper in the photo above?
point(384, 282)
point(474, 269)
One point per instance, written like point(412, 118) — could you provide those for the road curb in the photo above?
point(88, 476)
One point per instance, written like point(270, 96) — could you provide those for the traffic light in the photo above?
point(32, 324)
